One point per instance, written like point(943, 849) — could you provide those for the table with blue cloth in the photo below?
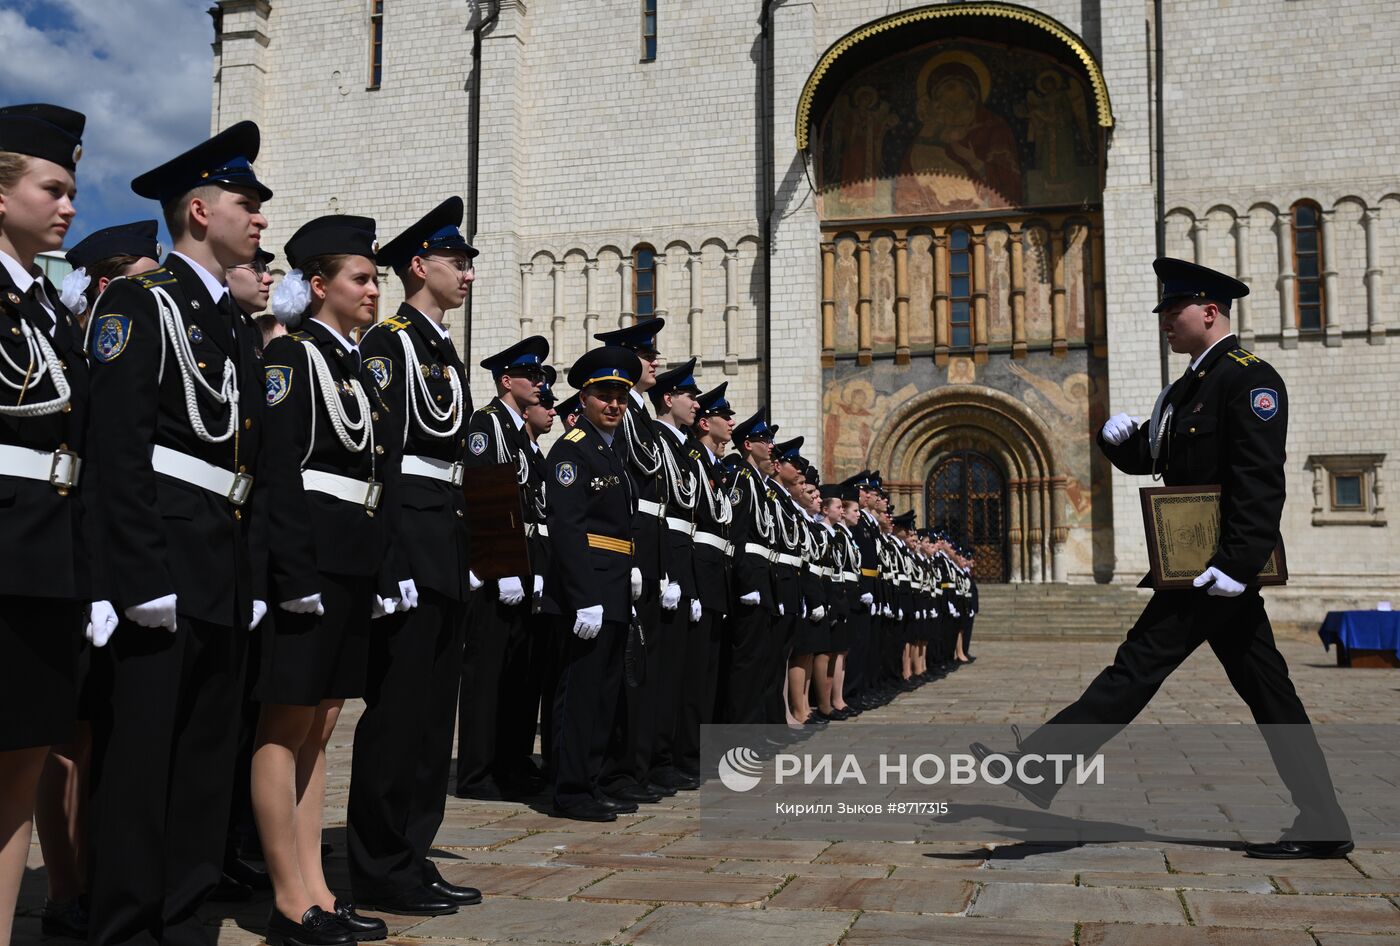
point(1363, 638)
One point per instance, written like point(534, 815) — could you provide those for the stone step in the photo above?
point(1057, 611)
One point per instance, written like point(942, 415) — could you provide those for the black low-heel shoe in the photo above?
point(317, 928)
point(361, 928)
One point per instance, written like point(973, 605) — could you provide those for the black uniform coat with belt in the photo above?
point(749, 498)
point(712, 567)
point(651, 553)
point(430, 512)
point(162, 535)
point(589, 494)
point(42, 527)
point(679, 544)
point(537, 502)
point(309, 531)
point(1229, 428)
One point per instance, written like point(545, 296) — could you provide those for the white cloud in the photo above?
point(138, 69)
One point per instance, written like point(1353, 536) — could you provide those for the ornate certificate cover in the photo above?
point(1183, 530)
point(497, 522)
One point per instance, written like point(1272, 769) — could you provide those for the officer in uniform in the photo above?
point(1225, 422)
point(591, 508)
point(495, 721)
point(178, 399)
point(403, 742)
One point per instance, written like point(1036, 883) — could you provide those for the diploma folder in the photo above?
point(1182, 524)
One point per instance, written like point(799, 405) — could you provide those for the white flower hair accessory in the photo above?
point(290, 298)
point(73, 292)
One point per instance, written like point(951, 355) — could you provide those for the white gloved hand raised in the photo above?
point(158, 612)
point(670, 595)
point(102, 621)
point(636, 584)
point(867, 598)
point(408, 595)
point(817, 613)
point(1224, 586)
point(1119, 428)
point(588, 622)
point(473, 582)
point(752, 597)
point(694, 610)
point(259, 612)
point(311, 604)
point(511, 591)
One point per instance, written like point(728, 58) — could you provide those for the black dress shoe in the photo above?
point(656, 788)
point(456, 893)
point(1286, 850)
point(68, 919)
point(361, 928)
point(230, 891)
point(421, 902)
point(689, 783)
point(245, 873)
point(317, 928)
point(1035, 794)
point(593, 810)
point(634, 793)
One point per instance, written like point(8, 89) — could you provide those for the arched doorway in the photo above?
point(965, 496)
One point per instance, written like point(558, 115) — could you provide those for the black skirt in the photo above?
point(839, 638)
point(812, 638)
point(38, 670)
point(307, 658)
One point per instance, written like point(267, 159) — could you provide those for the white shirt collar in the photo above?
point(1202, 356)
point(216, 289)
point(713, 458)
point(349, 345)
point(675, 431)
point(24, 281)
point(519, 421)
point(637, 398)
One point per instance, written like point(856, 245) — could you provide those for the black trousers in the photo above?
point(1237, 629)
point(495, 718)
point(676, 669)
point(778, 646)
point(585, 704)
point(699, 686)
point(858, 654)
point(403, 747)
point(546, 661)
point(637, 724)
point(164, 758)
point(750, 628)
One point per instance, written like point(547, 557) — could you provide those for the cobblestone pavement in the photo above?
point(650, 879)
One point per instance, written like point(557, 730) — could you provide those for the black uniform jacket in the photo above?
point(850, 565)
point(679, 544)
point(536, 494)
point(712, 567)
point(867, 536)
point(492, 430)
point(161, 535)
point(590, 524)
point(1229, 428)
point(749, 496)
point(431, 513)
point(652, 553)
point(41, 528)
point(312, 532)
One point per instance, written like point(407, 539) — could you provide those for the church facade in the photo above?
point(921, 233)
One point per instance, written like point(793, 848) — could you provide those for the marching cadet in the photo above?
point(43, 401)
point(545, 644)
point(591, 508)
point(176, 420)
point(495, 718)
point(624, 774)
point(755, 606)
point(403, 741)
point(676, 654)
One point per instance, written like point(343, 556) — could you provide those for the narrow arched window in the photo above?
point(376, 43)
point(648, 30)
point(1309, 299)
point(959, 290)
point(644, 282)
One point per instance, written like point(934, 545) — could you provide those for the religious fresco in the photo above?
point(954, 127)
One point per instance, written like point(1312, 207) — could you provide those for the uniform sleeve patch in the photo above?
point(735, 496)
point(110, 338)
point(381, 370)
point(279, 383)
point(566, 473)
point(1264, 403)
point(477, 443)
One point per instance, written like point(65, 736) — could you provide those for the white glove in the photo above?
point(887, 611)
point(382, 606)
point(874, 608)
point(953, 610)
point(1119, 428)
point(670, 596)
point(539, 584)
point(867, 598)
point(932, 611)
point(511, 591)
point(102, 621)
point(694, 610)
point(408, 595)
point(473, 582)
point(1224, 587)
point(259, 612)
point(817, 614)
point(900, 615)
point(588, 622)
point(311, 604)
point(751, 598)
point(636, 584)
point(781, 612)
point(972, 613)
point(159, 612)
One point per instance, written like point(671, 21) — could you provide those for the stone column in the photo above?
point(527, 318)
point(979, 294)
point(1375, 315)
point(1058, 343)
point(660, 310)
point(731, 311)
point(1287, 282)
point(590, 302)
point(1199, 228)
point(1331, 311)
point(901, 300)
point(828, 304)
point(1243, 327)
point(1014, 538)
point(940, 296)
point(1059, 531)
point(697, 306)
point(1035, 534)
point(556, 320)
point(625, 315)
point(863, 316)
point(1018, 292)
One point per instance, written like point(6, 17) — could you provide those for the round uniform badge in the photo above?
point(1264, 403)
point(566, 473)
point(477, 443)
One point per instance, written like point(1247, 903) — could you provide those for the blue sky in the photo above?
point(138, 69)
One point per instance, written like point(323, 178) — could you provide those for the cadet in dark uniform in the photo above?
point(1225, 422)
point(860, 687)
point(545, 643)
point(403, 742)
point(333, 450)
point(789, 543)
point(103, 255)
point(495, 721)
point(590, 523)
point(43, 403)
point(176, 430)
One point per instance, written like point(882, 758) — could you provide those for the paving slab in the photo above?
point(1346, 886)
point(859, 893)
point(1245, 883)
point(899, 929)
point(1135, 934)
point(680, 887)
point(1342, 914)
point(937, 854)
point(783, 868)
point(587, 843)
point(1077, 904)
point(1217, 861)
point(1326, 938)
point(549, 883)
point(647, 862)
point(1090, 858)
point(716, 926)
point(1378, 864)
point(753, 849)
point(547, 921)
point(982, 875)
point(450, 836)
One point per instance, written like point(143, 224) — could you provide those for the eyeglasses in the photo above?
point(257, 267)
point(460, 265)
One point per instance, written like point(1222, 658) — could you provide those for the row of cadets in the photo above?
point(403, 741)
point(497, 708)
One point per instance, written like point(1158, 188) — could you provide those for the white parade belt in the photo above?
point(849, 576)
point(815, 569)
point(434, 469)
point(58, 468)
point(714, 541)
point(234, 487)
point(651, 509)
point(753, 548)
point(680, 525)
point(783, 558)
point(360, 492)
